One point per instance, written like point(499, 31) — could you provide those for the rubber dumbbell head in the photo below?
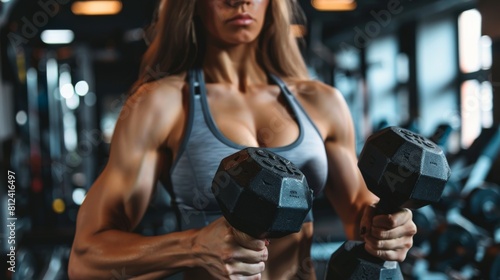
point(482, 206)
point(261, 193)
point(404, 169)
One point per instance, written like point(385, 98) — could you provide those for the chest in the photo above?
point(220, 124)
point(260, 117)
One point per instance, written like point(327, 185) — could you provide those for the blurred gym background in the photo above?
point(432, 66)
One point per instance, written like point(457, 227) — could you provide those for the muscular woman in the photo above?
point(219, 76)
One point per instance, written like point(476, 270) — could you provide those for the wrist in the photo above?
point(190, 245)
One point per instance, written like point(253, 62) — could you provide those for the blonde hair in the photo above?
point(173, 50)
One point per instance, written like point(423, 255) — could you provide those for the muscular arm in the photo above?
point(345, 188)
point(386, 236)
point(104, 246)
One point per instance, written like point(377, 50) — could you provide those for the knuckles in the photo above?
point(398, 256)
point(227, 256)
point(380, 234)
point(391, 221)
point(413, 229)
point(265, 255)
point(229, 269)
point(379, 244)
point(408, 244)
point(262, 266)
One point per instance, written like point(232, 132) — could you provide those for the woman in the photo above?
point(212, 83)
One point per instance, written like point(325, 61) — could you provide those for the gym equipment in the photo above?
point(441, 135)
point(403, 169)
point(482, 206)
point(485, 160)
point(471, 166)
point(426, 221)
point(261, 193)
point(453, 246)
point(467, 216)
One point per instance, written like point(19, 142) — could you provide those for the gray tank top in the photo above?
point(204, 146)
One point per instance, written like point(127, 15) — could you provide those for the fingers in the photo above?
point(408, 229)
point(389, 244)
point(248, 256)
point(245, 269)
point(366, 220)
point(398, 255)
point(391, 236)
point(389, 249)
point(392, 220)
point(230, 254)
point(248, 242)
point(246, 248)
point(241, 277)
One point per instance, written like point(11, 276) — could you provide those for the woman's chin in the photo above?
point(240, 37)
point(241, 41)
point(234, 40)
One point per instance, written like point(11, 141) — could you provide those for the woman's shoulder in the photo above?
point(324, 104)
point(316, 93)
point(163, 87)
point(152, 111)
point(160, 99)
point(159, 93)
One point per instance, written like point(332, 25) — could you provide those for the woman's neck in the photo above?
point(235, 65)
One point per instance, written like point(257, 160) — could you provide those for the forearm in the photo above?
point(350, 221)
point(350, 210)
point(113, 253)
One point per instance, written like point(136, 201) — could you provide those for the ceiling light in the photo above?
point(62, 36)
point(79, 196)
point(82, 88)
point(334, 5)
point(96, 8)
point(58, 206)
point(67, 91)
point(21, 118)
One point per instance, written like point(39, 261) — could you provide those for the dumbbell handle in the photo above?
point(383, 207)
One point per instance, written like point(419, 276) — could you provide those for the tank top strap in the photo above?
point(292, 100)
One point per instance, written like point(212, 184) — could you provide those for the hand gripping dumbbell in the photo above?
point(261, 193)
point(405, 170)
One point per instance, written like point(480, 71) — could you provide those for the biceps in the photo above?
point(120, 196)
point(139, 188)
point(343, 173)
point(133, 181)
point(346, 188)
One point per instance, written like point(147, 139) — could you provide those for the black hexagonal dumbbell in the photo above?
point(482, 206)
point(403, 169)
point(453, 247)
point(261, 193)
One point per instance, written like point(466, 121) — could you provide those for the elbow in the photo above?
point(73, 273)
point(77, 269)
point(77, 274)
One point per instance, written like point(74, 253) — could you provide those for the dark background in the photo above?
point(397, 62)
